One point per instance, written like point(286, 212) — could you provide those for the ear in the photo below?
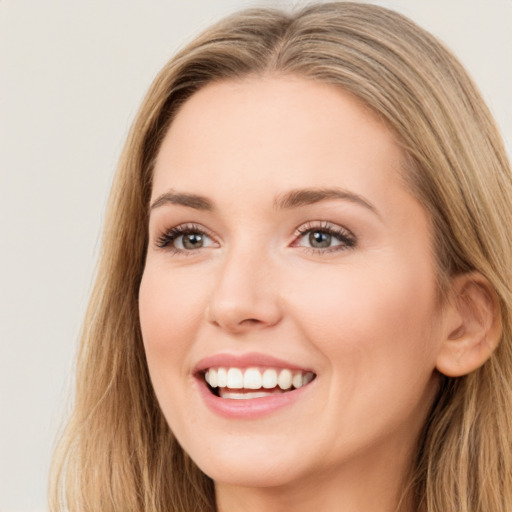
point(472, 326)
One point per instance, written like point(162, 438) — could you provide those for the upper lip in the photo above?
point(245, 360)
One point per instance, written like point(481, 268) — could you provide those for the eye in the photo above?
point(185, 238)
point(190, 241)
point(325, 237)
point(319, 239)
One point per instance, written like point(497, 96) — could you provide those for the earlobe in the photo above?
point(472, 326)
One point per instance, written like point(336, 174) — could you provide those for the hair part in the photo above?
point(117, 452)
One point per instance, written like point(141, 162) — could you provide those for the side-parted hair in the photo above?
point(117, 452)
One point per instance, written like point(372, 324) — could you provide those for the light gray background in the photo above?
point(72, 73)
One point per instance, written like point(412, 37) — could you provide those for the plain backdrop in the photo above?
point(72, 74)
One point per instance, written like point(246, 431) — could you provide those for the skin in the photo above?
point(365, 317)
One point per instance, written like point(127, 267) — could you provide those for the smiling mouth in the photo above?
point(246, 383)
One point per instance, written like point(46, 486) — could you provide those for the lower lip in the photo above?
point(249, 408)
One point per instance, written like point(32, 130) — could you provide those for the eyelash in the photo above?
point(343, 235)
point(167, 238)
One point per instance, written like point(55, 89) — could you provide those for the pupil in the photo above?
point(192, 241)
point(319, 239)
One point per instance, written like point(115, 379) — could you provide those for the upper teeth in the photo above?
point(254, 378)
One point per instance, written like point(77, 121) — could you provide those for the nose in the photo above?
point(246, 295)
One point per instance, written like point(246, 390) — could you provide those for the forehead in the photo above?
point(285, 132)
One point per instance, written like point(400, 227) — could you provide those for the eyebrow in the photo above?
point(292, 199)
point(304, 197)
point(190, 200)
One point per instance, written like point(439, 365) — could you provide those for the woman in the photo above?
point(304, 292)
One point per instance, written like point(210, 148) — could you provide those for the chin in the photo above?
point(249, 461)
point(250, 472)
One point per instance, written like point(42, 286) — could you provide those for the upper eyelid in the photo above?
point(322, 225)
point(186, 227)
point(301, 228)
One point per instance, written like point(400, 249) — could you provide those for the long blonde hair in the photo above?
point(117, 452)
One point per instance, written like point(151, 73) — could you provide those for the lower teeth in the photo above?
point(243, 396)
point(235, 394)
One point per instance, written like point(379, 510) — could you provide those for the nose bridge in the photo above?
point(245, 294)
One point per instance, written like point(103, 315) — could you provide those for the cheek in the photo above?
point(170, 311)
point(171, 308)
point(374, 331)
point(362, 318)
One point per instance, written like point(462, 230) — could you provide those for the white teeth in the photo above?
point(244, 396)
point(252, 378)
point(222, 377)
point(308, 377)
point(297, 380)
point(235, 378)
point(285, 379)
point(213, 378)
point(269, 378)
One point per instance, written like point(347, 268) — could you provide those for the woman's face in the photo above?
point(285, 250)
